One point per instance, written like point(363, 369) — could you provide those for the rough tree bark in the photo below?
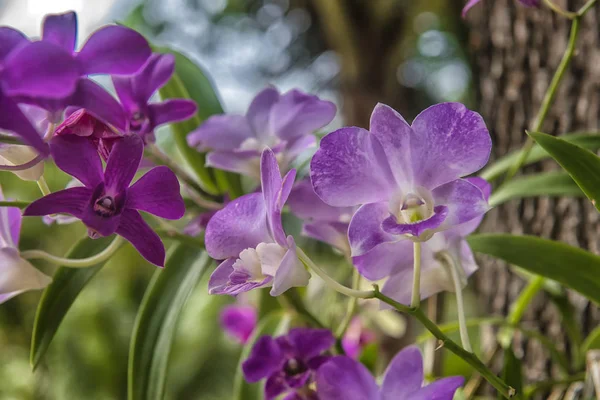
point(515, 52)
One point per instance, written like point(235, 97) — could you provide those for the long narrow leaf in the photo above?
point(581, 164)
point(157, 318)
point(60, 295)
point(557, 183)
point(571, 266)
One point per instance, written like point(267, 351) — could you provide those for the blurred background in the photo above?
point(408, 54)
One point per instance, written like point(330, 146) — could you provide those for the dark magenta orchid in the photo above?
point(107, 203)
point(135, 92)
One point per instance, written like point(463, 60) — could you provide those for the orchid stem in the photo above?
point(351, 307)
point(333, 284)
point(416, 288)
point(452, 267)
point(558, 10)
point(43, 186)
point(75, 263)
point(18, 204)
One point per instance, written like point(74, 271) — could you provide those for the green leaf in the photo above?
point(592, 341)
point(60, 295)
point(157, 318)
point(557, 183)
point(581, 164)
point(571, 266)
point(590, 141)
point(274, 324)
point(512, 373)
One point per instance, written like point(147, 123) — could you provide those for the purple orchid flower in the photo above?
point(526, 3)
point(407, 177)
point(356, 338)
point(342, 378)
point(239, 321)
point(16, 274)
point(249, 236)
point(107, 204)
point(135, 91)
point(31, 69)
point(435, 276)
point(288, 362)
point(283, 122)
point(322, 221)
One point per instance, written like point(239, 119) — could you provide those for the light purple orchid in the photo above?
point(239, 321)
point(283, 122)
point(321, 221)
point(107, 204)
point(249, 236)
point(288, 362)
point(526, 3)
point(16, 274)
point(407, 178)
point(435, 276)
point(135, 92)
point(342, 378)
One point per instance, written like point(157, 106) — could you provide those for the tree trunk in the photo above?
point(515, 51)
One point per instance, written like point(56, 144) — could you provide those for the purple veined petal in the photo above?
point(333, 233)
point(468, 6)
point(39, 69)
point(78, 157)
point(98, 102)
point(464, 201)
point(404, 375)
point(133, 228)
point(68, 201)
point(350, 168)
point(442, 389)
point(343, 378)
point(396, 138)
point(157, 192)
point(153, 75)
point(291, 271)
point(18, 276)
point(61, 29)
point(12, 119)
point(123, 163)
point(10, 225)
point(220, 132)
point(265, 359)
point(240, 225)
point(469, 227)
point(272, 187)
point(114, 50)
point(433, 223)
point(275, 386)
point(305, 204)
point(309, 343)
point(243, 162)
point(259, 112)
point(220, 282)
point(220, 276)
point(385, 259)
point(125, 92)
point(297, 114)
point(9, 39)
point(18, 155)
point(239, 321)
point(365, 230)
point(482, 184)
point(452, 142)
point(173, 110)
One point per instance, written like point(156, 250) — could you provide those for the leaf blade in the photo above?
point(555, 183)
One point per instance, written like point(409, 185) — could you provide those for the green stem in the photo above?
point(558, 10)
point(17, 203)
point(9, 139)
point(416, 288)
point(351, 309)
point(520, 305)
point(448, 343)
point(75, 263)
point(549, 384)
point(586, 7)
point(43, 186)
point(548, 97)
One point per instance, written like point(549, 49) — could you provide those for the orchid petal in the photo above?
point(68, 201)
point(343, 378)
point(404, 375)
point(309, 343)
point(265, 359)
point(365, 230)
point(464, 201)
point(470, 4)
point(157, 192)
point(431, 224)
point(291, 272)
point(305, 204)
point(133, 228)
point(61, 29)
point(125, 92)
point(242, 162)
point(114, 50)
point(9, 40)
point(275, 385)
point(153, 75)
point(123, 163)
point(276, 192)
point(18, 155)
point(452, 142)
point(173, 110)
point(98, 102)
point(333, 233)
point(221, 132)
point(443, 389)
point(239, 321)
point(385, 259)
point(10, 225)
point(220, 282)
point(259, 112)
point(350, 168)
point(12, 119)
point(78, 157)
point(18, 276)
